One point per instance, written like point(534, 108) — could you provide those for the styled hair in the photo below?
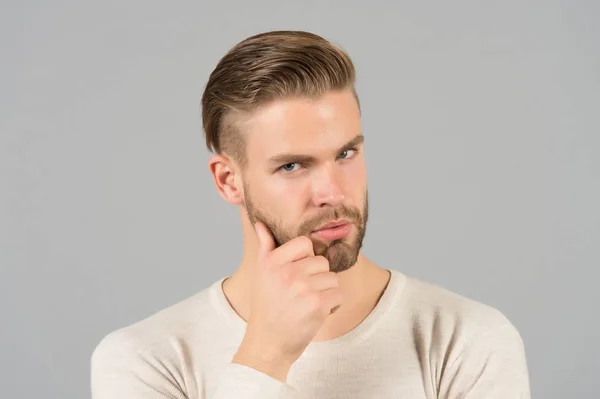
point(267, 67)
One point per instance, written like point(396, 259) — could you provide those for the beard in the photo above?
point(342, 254)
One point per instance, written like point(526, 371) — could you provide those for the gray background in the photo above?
point(482, 144)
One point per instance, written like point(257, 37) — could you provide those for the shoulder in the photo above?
point(432, 306)
point(154, 354)
point(473, 347)
point(444, 324)
point(161, 333)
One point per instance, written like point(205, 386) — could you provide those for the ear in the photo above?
point(226, 178)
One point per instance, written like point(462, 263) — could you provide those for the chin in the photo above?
point(341, 257)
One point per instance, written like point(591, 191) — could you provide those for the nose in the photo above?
point(327, 187)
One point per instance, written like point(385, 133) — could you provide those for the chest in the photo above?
point(376, 376)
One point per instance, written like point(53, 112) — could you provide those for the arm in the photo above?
point(492, 366)
point(244, 382)
point(119, 371)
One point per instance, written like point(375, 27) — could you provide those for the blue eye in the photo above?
point(347, 154)
point(289, 167)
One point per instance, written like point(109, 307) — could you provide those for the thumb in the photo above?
point(266, 242)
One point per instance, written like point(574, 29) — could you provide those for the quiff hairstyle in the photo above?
point(267, 67)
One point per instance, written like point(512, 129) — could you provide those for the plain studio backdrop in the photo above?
point(482, 143)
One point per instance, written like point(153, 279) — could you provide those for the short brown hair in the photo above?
point(267, 67)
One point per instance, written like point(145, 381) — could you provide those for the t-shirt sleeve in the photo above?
point(119, 371)
point(243, 382)
point(491, 366)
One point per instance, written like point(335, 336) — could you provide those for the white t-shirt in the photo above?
point(420, 341)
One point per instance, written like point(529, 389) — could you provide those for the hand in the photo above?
point(293, 292)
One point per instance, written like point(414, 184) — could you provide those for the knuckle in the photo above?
point(325, 280)
point(304, 242)
point(333, 279)
point(322, 262)
point(302, 286)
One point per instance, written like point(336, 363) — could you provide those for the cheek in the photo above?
point(281, 189)
point(355, 178)
point(286, 197)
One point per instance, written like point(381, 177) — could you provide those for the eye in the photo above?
point(347, 153)
point(289, 167)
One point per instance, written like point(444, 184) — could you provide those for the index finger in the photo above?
point(266, 241)
point(297, 248)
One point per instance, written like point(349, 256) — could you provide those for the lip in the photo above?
point(335, 223)
point(334, 230)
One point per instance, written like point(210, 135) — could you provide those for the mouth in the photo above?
point(335, 223)
point(335, 230)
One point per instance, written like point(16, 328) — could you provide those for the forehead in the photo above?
point(302, 125)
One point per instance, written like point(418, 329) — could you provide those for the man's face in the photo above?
point(306, 169)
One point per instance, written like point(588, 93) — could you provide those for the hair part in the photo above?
point(267, 67)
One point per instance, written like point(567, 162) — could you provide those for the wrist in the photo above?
point(274, 366)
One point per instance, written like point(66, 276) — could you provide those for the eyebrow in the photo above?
point(286, 158)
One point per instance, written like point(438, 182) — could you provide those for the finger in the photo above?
point(293, 250)
point(309, 266)
point(266, 242)
point(323, 281)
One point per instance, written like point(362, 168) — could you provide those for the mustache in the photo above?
point(353, 215)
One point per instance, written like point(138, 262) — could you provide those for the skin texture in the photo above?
point(310, 171)
point(305, 168)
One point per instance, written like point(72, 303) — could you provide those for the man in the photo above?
point(306, 315)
